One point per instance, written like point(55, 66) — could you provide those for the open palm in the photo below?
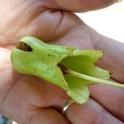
point(29, 100)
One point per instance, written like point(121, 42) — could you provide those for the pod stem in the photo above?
point(94, 79)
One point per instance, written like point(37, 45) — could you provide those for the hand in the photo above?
point(30, 100)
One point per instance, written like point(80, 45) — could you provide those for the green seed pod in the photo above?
point(68, 68)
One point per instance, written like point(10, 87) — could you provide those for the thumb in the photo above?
point(82, 5)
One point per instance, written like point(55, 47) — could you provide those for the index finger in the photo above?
point(113, 59)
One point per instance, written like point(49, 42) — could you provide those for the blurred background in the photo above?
point(108, 21)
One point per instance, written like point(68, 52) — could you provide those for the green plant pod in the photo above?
point(34, 57)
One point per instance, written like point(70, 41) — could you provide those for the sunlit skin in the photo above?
point(29, 100)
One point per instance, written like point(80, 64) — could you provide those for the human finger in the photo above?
point(90, 113)
point(111, 98)
point(28, 102)
point(82, 5)
point(47, 19)
point(47, 116)
point(113, 59)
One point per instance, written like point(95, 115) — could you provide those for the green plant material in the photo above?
point(69, 68)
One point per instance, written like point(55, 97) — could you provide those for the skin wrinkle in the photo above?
point(35, 14)
point(19, 22)
point(66, 32)
point(18, 3)
point(52, 113)
point(60, 32)
point(14, 20)
point(12, 23)
point(39, 8)
point(60, 20)
point(58, 24)
point(22, 25)
point(30, 119)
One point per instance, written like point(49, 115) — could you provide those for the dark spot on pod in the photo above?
point(52, 55)
point(48, 69)
point(34, 69)
point(60, 56)
point(42, 59)
point(54, 76)
point(111, 73)
point(49, 54)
